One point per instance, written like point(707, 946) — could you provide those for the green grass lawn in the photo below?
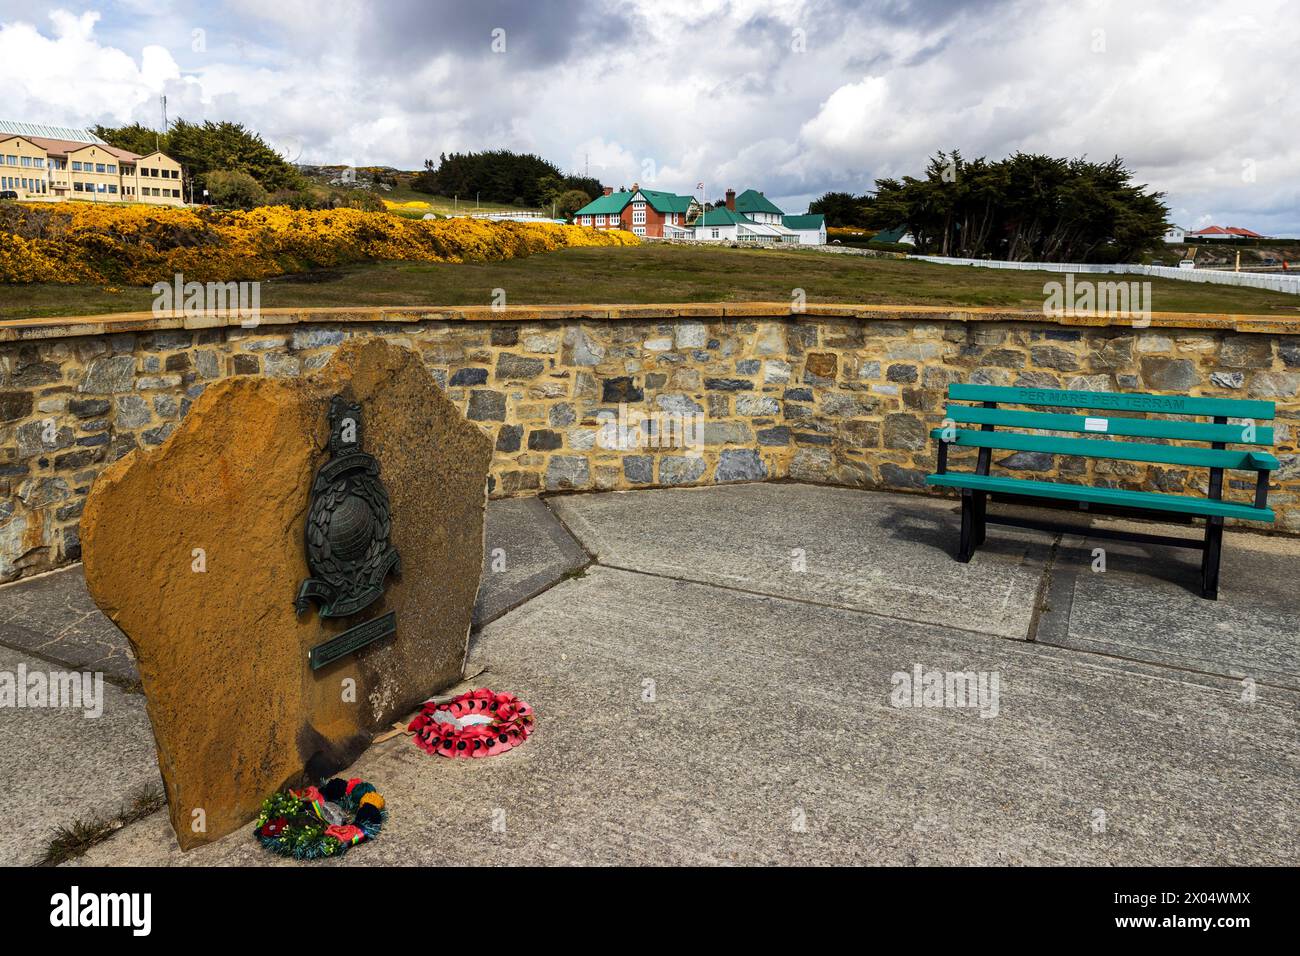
point(656, 273)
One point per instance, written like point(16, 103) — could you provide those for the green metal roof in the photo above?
point(603, 205)
point(751, 200)
point(890, 235)
point(811, 221)
point(616, 202)
point(722, 216)
point(666, 202)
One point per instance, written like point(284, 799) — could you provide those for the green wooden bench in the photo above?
point(978, 426)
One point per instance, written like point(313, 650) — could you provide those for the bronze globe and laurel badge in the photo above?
point(349, 553)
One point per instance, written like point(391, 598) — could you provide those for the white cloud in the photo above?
point(68, 75)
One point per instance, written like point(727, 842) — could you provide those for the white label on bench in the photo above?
point(1095, 424)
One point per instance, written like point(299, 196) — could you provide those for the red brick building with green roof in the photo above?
point(641, 211)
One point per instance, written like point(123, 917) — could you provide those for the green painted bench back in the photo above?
point(1221, 432)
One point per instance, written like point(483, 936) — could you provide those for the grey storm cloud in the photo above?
point(537, 34)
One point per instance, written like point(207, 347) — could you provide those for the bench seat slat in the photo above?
point(1128, 427)
point(1115, 401)
point(1121, 450)
point(1157, 501)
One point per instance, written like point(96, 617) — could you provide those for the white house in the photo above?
point(727, 225)
point(810, 229)
point(1175, 235)
point(754, 206)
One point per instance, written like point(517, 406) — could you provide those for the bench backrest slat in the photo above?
point(1115, 401)
point(1129, 427)
point(1120, 450)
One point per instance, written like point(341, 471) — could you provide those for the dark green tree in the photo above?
point(570, 201)
point(137, 138)
point(840, 209)
point(1026, 207)
point(206, 147)
point(234, 189)
point(499, 176)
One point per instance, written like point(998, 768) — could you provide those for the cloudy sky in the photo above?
point(794, 98)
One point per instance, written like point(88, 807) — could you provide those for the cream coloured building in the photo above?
point(44, 168)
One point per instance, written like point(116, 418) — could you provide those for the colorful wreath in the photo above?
point(311, 823)
point(477, 723)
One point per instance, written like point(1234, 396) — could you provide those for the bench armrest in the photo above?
point(1262, 461)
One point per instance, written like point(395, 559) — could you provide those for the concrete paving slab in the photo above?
point(526, 550)
point(885, 553)
point(685, 723)
point(61, 767)
point(1147, 606)
point(53, 615)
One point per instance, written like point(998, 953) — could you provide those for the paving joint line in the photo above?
point(1158, 665)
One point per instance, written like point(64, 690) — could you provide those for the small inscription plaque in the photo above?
point(353, 639)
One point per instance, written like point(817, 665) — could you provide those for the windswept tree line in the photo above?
point(234, 164)
point(208, 147)
point(502, 176)
point(1026, 207)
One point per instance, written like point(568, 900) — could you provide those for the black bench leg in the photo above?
point(981, 509)
point(1210, 559)
point(967, 546)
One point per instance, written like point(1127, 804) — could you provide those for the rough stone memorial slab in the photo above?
point(261, 666)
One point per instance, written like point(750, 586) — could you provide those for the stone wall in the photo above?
point(839, 394)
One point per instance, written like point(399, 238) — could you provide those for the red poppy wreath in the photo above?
point(477, 723)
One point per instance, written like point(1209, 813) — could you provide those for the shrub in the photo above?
point(140, 245)
point(234, 190)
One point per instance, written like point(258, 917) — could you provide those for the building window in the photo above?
point(112, 168)
point(639, 230)
point(715, 233)
point(11, 160)
point(76, 166)
point(27, 161)
point(638, 214)
point(600, 220)
point(112, 188)
point(99, 167)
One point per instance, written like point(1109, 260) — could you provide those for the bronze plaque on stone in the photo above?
point(348, 550)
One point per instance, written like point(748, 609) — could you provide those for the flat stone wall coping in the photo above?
point(55, 327)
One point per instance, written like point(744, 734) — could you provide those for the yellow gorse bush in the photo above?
point(140, 245)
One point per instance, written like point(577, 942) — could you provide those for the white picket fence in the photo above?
point(1283, 282)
